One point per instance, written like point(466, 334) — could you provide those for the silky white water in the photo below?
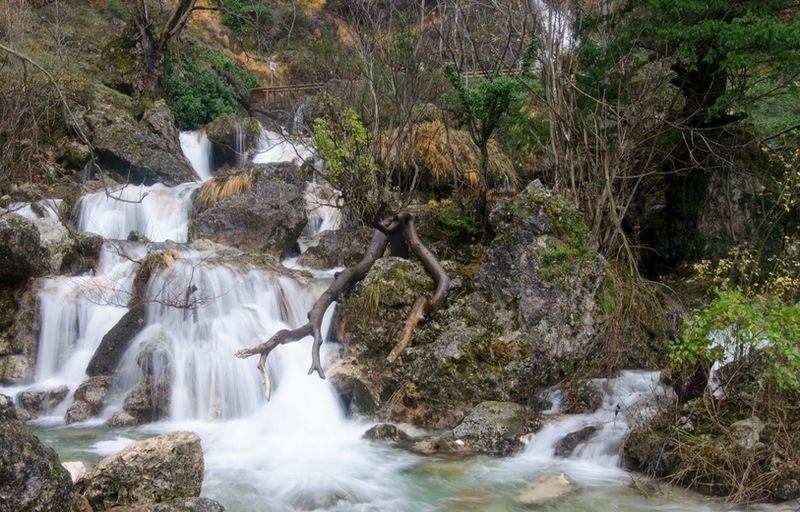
point(297, 451)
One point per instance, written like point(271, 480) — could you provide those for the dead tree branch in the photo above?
point(344, 282)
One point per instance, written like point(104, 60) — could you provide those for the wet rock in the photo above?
point(179, 505)
point(13, 368)
point(150, 399)
point(88, 399)
point(439, 445)
point(121, 419)
point(56, 243)
point(232, 139)
point(115, 342)
point(566, 445)
point(38, 402)
point(31, 476)
point(356, 393)
point(386, 432)
point(582, 397)
point(155, 470)
point(494, 427)
point(265, 215)
point(545, 490)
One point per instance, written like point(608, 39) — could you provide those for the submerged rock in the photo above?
point(546, 489)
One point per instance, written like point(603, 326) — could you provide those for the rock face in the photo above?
point(156, 470)
point(267, 215)
point(31, 476)
point(542, 266)
point(19, 249)
point(138, 152)
point(18, 342)
point(508, 328)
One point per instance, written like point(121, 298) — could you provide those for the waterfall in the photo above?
point(275, 147)
point(158, 212)
point(75, 313)
point(238, 144)
point(198, 150)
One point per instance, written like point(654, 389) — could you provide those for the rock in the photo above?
point(546, 489)
point(232, 139)
point(157, 470)
point(543, 267)
point(385, 432)
point(13, 369)
point(55, 242)
point(267, 215)
point(747, 433)
point(179, 505)
point(115, 342)
point(31, 476)
point(150, 399)
point(138, 152)
point(494, 427)
point(76, 469)
point(38, 402)
point(566, 445)
point(20, 249)
point(338, 248)
point(88, 399)
point(439, 445)
point(356, 393)
point(121, 419)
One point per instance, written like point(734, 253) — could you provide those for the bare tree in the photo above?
point(156, 24)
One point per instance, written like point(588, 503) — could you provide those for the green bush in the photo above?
point(244, 17)
point(201, 85)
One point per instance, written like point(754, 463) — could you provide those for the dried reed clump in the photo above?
point(445, 156)
point(216, 189)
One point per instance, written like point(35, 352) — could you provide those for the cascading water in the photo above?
point(197, 149)
point(297, 451)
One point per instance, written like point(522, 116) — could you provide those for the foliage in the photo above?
point(747, 317)
point(486, 104)
point(245, 16)
point(201, 84)
point(457, 223)
point(343, 143)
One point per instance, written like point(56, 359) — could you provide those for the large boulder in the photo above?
point(115, 342)
point(337, 248)
point(233, 139)
point(542, 267)
point(142, 151)
point(31, 476)
point(156, 470)
point(250, 210)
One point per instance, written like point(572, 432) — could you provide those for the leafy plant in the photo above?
point(343, 143)
point(200, 85)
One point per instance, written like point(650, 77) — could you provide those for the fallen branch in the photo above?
point(344, 282)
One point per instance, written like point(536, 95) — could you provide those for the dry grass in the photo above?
point(220, 187)
point(446, 157)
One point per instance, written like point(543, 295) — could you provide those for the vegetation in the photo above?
point(201, 85)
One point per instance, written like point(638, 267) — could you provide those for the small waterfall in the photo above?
point(238, 144)
point(275, 147)
point(322, 207)
point(197, 149)
point(158, 212)
point(75, 313)
point(44, 208)
point(199, 314)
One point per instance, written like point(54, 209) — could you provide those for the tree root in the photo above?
point(344, 282)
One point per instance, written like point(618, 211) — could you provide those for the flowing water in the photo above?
point(297, 451)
